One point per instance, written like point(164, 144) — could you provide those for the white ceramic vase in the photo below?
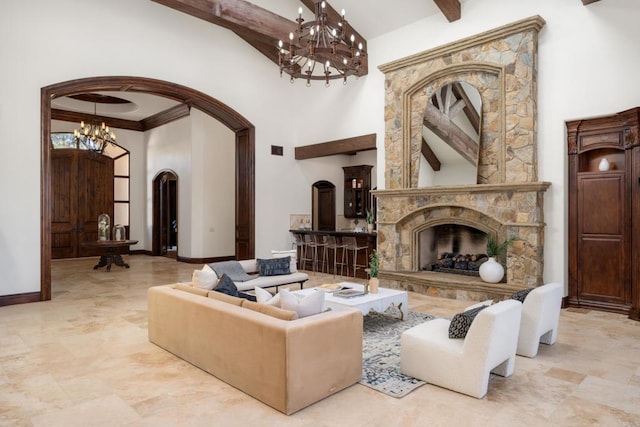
point(604, 165)
point(491, 271)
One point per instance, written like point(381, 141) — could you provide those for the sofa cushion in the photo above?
point(205, 278)
point(270, 310)
point(307, 306)
point(265, 297)
point(521, 295)
point(191, 289)
point(486, 303)
point(233, 269)
point(274, 266)
point(461, 322)
point(225, 298)
point(293, 265)
point(226, 286)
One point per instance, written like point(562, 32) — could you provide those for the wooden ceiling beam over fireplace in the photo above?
point(259, 27)
point(430, 156)
point(586, 2)
point(441, 125)
point(340, 146)
point(449, 8)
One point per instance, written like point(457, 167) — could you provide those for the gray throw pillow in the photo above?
point(226, 286)
point(521, 295)
point(274, 266)
point(461, 322)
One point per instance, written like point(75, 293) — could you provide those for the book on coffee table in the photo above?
point(348, 293)
point(332, 287)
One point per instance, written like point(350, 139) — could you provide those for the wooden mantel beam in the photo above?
point(340, 146)
point(449, 8)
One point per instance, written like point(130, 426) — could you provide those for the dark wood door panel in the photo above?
point(601, 270)
point(601, 204)
point(64, 212)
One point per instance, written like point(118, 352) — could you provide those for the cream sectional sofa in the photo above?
point(250, 267)
point(287, 364)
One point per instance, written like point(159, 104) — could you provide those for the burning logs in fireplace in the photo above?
point(466, 264)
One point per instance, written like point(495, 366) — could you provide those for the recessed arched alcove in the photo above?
point(245, 153)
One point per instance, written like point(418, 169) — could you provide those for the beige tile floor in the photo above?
point(83, 359)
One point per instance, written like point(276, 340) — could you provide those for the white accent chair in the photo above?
point(464, 365)
point(540, 316)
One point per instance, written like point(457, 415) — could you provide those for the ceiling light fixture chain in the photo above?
point(320, 41)
point(94, 136)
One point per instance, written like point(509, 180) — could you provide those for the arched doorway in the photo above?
point(165, 214)
point(324, 206)
point(245, 154)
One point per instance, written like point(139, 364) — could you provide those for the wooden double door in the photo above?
point(604, 213)
point(81, 190)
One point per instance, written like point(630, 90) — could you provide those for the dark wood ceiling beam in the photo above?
point(236, 15)
point(73, 116)
point(340, 146)
point(167, 116)
point(449, 8)
point(586, 2)
point(469, 110)
point(457, 139)
point(430, 156)
point(257, 26)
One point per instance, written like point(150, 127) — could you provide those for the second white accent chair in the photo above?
point(540, 318)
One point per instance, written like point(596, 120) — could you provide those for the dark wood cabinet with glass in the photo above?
point(357, 185)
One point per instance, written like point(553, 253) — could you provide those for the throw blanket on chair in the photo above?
point(233, 269)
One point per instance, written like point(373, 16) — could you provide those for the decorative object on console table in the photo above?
point(104, 225)
point(374, 265)
point(492, 271)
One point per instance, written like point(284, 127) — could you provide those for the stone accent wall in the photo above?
point(501, 64)
point(508, 200)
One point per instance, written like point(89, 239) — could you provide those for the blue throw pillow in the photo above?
point(226, 286)
point(274, 266)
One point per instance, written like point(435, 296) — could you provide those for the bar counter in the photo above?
point(363, 238)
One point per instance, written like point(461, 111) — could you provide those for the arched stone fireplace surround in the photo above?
point(507, 200)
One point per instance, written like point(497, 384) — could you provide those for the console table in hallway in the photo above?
point(112, 255)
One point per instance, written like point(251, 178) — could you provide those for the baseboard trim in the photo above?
point(20, 298)
point(140, 252)
point(206, 260)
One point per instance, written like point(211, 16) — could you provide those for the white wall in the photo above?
point(588, 65)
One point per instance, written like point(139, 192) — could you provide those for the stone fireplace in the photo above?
point(506, 202)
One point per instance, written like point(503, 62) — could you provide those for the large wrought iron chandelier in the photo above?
point(94, 136)
point(320, 49)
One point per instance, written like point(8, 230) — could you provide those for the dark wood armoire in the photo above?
point(604, 213)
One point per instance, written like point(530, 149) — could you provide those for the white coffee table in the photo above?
point(378, 302)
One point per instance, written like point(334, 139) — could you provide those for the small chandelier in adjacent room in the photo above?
point(320, 49)
point(94, 136)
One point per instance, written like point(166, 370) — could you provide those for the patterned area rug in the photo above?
point(381, 352)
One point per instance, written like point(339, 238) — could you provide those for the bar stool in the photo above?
point(351, 244)
point(298, 244)
point(308, 251)
point(332, 244)
point(320, 241)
